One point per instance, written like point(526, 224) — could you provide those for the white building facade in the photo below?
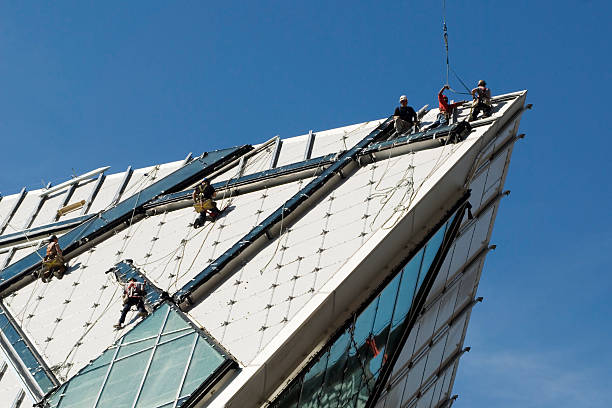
point(342, 272)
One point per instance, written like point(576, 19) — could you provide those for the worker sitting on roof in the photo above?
point(203, 196)
point(405, 117)
point(133, 295)
point(53, 262)
point(446, 110)
point(482, 101)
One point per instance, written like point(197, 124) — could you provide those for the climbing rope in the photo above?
point(448, 67)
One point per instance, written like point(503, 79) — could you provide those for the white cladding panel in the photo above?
point(458, 292)
point(69, 320)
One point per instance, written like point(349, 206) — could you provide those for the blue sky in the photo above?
point(85, 85)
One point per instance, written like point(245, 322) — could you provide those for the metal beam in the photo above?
point(293, 208)
point(276, 153)
point(13, 210)
point(118, 217)
point(124, 182)
point(93, 194)
point(69, 193)
point(35, 374)
point(309, 144)
point(73, 181)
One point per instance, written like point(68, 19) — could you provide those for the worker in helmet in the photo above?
point(203, 196)
point(405, 117)
point(133, 295)
point(53, 262)
point(482, 101)
point(447, 110)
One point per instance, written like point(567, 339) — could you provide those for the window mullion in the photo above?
point(146, 371)
point(110, 366)
point(184, 377)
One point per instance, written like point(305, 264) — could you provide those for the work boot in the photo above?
point(142, 314)
point(118, 326)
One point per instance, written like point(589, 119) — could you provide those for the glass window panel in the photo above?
point(356, 358)
point(149, 327)
point(338, 355)
point(352, 377)
point(386, 305)
point(205, 361)
point(407, 289)
point(171, 336)
point(175, 322)
point(135, 347)
point(176, 180)
point(364, 323)
point(83, 390)
point(430, 252)
point(312, 383)
point(55, 398)
point(123, 381)
point(103, 360)
point(289, 397)
point(169, 405)
point(166, 372)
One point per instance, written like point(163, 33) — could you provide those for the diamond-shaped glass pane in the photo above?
point(146, 368)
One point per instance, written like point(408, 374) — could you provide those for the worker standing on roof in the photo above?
point(405, 117)
point(446, 110)
point(482, 101)
point(133, 295)
point(203, 196)
point(53, 262)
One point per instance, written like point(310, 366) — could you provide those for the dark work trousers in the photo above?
point(133, 301)
point(480, 106)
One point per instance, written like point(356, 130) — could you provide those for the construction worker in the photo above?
point(53, 262)
point(203, 196)
point(482, 101)
point(133, 295)
point(405, 117)
point(446, 110)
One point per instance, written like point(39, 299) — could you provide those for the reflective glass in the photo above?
point(350, 368)
point(82, 392)
point(165, 373)
point(159, 367)
point(176, 180)
point(174, 322)
point(290, 397)
point(104, 359)
point(150, 326)
point(55, 398)
point(174, 335)
point(430, 252)
point(135, 348)
point(312, 383)
point(338, 355)
point(206, 360)
point(24, 353)
point(123, 381)
point(407, 290)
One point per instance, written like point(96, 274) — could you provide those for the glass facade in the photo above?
point(30, 359)
point(123, 211)
point(159, 363)
point(346, 370)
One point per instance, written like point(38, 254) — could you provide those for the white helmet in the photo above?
point(403, 98)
